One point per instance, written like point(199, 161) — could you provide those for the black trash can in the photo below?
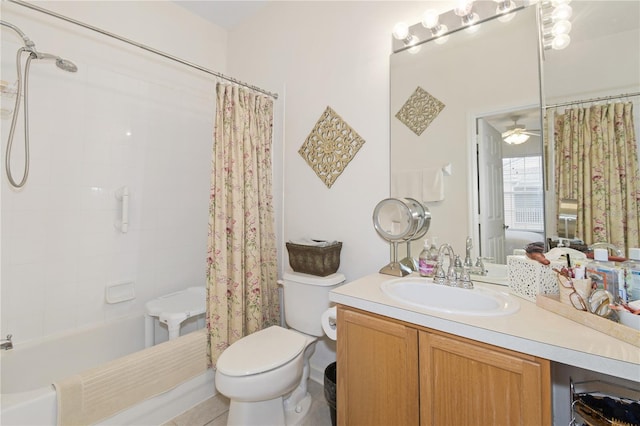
point(330, 390)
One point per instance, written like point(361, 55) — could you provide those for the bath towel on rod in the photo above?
point(432, 184)
point(407, 184)
point(102, 392)
point(425, 185)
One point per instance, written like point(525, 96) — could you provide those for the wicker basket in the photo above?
point(319, 261)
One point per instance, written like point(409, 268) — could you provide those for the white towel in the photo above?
point(432, 184)
point(407, 184)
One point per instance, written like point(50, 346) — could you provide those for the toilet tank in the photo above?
point(306, 297)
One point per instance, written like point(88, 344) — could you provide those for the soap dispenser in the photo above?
point(426, 261)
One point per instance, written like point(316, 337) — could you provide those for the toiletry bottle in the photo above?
point(433, 256)
point(423, 261)
point(605, 274)
point(632, 275)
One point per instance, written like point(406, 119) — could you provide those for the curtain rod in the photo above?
point(602, 98)
point(142, 46)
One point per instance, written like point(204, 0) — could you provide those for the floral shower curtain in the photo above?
point(242, 292)
point(596, 163)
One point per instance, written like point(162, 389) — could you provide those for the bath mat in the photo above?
point(101, 392)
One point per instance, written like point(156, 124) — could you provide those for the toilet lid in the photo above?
point(261, 351)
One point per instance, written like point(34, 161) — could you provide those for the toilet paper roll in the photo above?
point(328, 321)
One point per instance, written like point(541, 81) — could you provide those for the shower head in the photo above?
point(66, 65)
point(30, 47)
point(63, 64)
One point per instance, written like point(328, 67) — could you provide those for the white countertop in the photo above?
point(531, 330)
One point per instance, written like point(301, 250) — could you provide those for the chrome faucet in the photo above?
point(6, 344)
point(617, 251)
point(468, 263)
point(451, 278)
point(480, 267)
point(440, 277)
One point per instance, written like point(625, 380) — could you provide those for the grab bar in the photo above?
point(122, 194)
point(6, 344)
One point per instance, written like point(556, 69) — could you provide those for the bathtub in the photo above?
point(28, 371)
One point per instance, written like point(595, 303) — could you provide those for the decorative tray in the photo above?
point(551, 302)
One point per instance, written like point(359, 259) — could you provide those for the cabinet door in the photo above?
point(463, 382)
point(377, 371)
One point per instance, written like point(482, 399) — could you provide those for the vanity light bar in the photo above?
point(555, 24)
point(434, 26)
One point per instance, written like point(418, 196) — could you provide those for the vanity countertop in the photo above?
point(531, 330)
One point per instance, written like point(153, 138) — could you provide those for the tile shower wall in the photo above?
point(126, 118)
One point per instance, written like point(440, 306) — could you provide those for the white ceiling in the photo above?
point(224, 13)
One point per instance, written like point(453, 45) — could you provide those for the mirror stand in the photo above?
point(395, 268)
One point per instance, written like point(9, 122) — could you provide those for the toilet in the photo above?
point(265, 374)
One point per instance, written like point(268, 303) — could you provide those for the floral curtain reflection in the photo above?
point(596, 163)
point(242, 292)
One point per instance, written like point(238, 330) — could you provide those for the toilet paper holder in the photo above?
point(329, 323)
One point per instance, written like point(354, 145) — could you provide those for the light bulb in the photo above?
point(430, 19)
point(504, 6)
point(470, 19)
point(412, 41)
point(561, 27)
point(401, 31)
point(516, 138)
point(463, 8)
point(472, 29)
point(442, 29)
point(442, 39)
point(561, 13)
point(560, 41)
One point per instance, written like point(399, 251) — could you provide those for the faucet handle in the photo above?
point(452, 277)
point(465, 280)
point(439, 276)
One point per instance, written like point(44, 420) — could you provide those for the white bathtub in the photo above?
point(28, 398)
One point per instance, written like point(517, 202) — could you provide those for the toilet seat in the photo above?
point(261, 351)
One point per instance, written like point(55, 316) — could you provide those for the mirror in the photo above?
point(400, 220)
point(601, 62)
point(487, 76)
point(486, 79)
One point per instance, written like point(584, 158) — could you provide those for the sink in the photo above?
point(424, 293)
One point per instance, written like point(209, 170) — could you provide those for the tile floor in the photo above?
point(213, 411)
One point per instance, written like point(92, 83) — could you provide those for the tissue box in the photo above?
point(313, 260)
point(528, 278)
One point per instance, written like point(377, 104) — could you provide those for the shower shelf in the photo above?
point(8, 89)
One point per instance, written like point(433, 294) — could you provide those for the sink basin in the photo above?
point(423, 293)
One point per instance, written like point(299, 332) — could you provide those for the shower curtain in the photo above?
point(596, 160)
point(242, 292)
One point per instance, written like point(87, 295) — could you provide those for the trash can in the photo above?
point(330, 390)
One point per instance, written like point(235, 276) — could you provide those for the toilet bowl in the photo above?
point(265, 374)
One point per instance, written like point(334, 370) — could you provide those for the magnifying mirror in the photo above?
point(409, 261)
point(399, 220)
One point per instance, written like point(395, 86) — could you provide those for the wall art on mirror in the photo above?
point(330, 146)
point(420, 110)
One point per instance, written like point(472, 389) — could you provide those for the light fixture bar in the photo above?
point(433, 27)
